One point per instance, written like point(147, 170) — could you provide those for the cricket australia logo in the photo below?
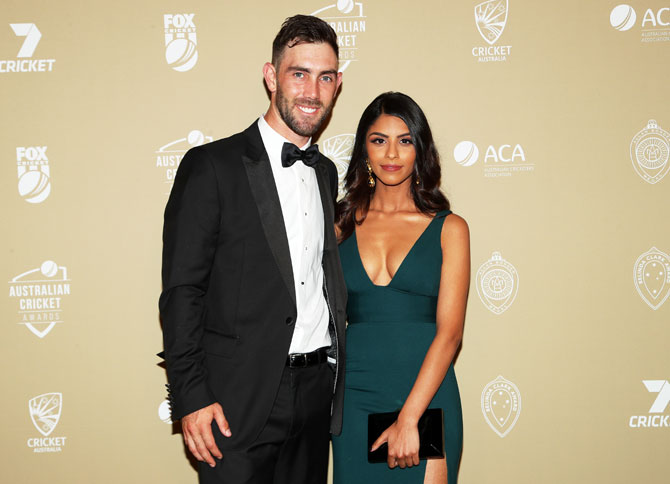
point(501, 405)
point(348, 21)
point(338, 149)
point(180, 41)
point(45, 411)
point(497, 284)
point(491, 17)
point(649, 152)
point(651, 275)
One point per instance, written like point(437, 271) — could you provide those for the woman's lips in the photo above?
point(391, 167)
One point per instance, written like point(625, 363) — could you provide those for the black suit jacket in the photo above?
point(228, 302)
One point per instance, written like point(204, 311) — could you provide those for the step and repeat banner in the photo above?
point(553, 124)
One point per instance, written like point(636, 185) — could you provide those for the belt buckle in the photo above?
point(298, 360)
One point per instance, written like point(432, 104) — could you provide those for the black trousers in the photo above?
point(292, 448)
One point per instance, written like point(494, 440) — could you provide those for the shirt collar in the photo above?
point(272, 140)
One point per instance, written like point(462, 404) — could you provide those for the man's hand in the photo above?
point(197, 428)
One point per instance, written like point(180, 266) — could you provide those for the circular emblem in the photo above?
point(164, 412)
point(622, 17)
point(34, 186)
point(650, 152)
point(181, 54)
point(338, 149)
point(497, 283)
point(466, 153)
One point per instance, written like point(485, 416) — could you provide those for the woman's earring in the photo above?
point(417, 179)
point(371, 179)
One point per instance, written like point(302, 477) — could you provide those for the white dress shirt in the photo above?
point(303, 217)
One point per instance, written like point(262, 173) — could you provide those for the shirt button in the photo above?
point(305, 214)
point(302, 283)
point(289, 321)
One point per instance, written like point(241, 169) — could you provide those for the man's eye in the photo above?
point(299, 75)
point(327, 79)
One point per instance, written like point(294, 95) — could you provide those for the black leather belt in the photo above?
point(303, 360)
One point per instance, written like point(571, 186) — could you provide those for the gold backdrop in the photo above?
point(552, 121)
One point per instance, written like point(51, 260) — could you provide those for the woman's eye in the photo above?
point(377, 141)
point(406, 141)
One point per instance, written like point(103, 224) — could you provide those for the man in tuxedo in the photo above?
point(253, 301)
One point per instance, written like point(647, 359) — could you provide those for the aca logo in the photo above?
point(499, 161)
point(655, 22)
point(169, 156)
point(180, 41)
point(649, 152)
point(348, 21)
point(34, 174)
point(659, 406)
point(45, 412)
point(165, 412)
point(23, 61)
point(338, 149)
point(40, 294)
point(497, 284)
point(490, 19)
point(501, 405)
point(651, 275)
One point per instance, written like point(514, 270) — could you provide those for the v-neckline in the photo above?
point(402, 263)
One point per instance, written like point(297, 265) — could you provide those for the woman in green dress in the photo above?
point(406, 262)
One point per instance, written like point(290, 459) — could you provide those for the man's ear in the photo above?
point(270, 76)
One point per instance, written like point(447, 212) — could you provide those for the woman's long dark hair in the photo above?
point(426, 194)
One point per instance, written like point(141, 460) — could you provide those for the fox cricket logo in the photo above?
point(655, 22)
point(40, 293)
point(651, 275)
point(170, 155)
point(180, 41)
point(497, 284)
point(34, 174)
point(490, 19)
point(501, 405)
point(649, 152)
point(45, 411)
point(338, 149)
point(660, 405)
point(499, 161)
point(348, 21)
point(23, 61)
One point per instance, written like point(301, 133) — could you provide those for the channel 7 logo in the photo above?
point(662, 387)
point(32, 38)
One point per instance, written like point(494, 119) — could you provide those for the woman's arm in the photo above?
point(403, 435)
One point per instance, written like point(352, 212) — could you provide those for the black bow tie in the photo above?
point(290, 153)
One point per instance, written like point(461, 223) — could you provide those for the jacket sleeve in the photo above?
point(190, 233)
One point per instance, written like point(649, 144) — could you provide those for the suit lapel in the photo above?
point(329, 242)
point(264, 190)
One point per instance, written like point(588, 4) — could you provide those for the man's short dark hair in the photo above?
point(302, 29)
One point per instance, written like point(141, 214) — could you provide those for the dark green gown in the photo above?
point(389, 332)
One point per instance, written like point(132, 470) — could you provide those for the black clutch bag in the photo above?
point(431, 434)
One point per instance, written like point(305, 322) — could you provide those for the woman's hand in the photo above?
point(403, 444)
